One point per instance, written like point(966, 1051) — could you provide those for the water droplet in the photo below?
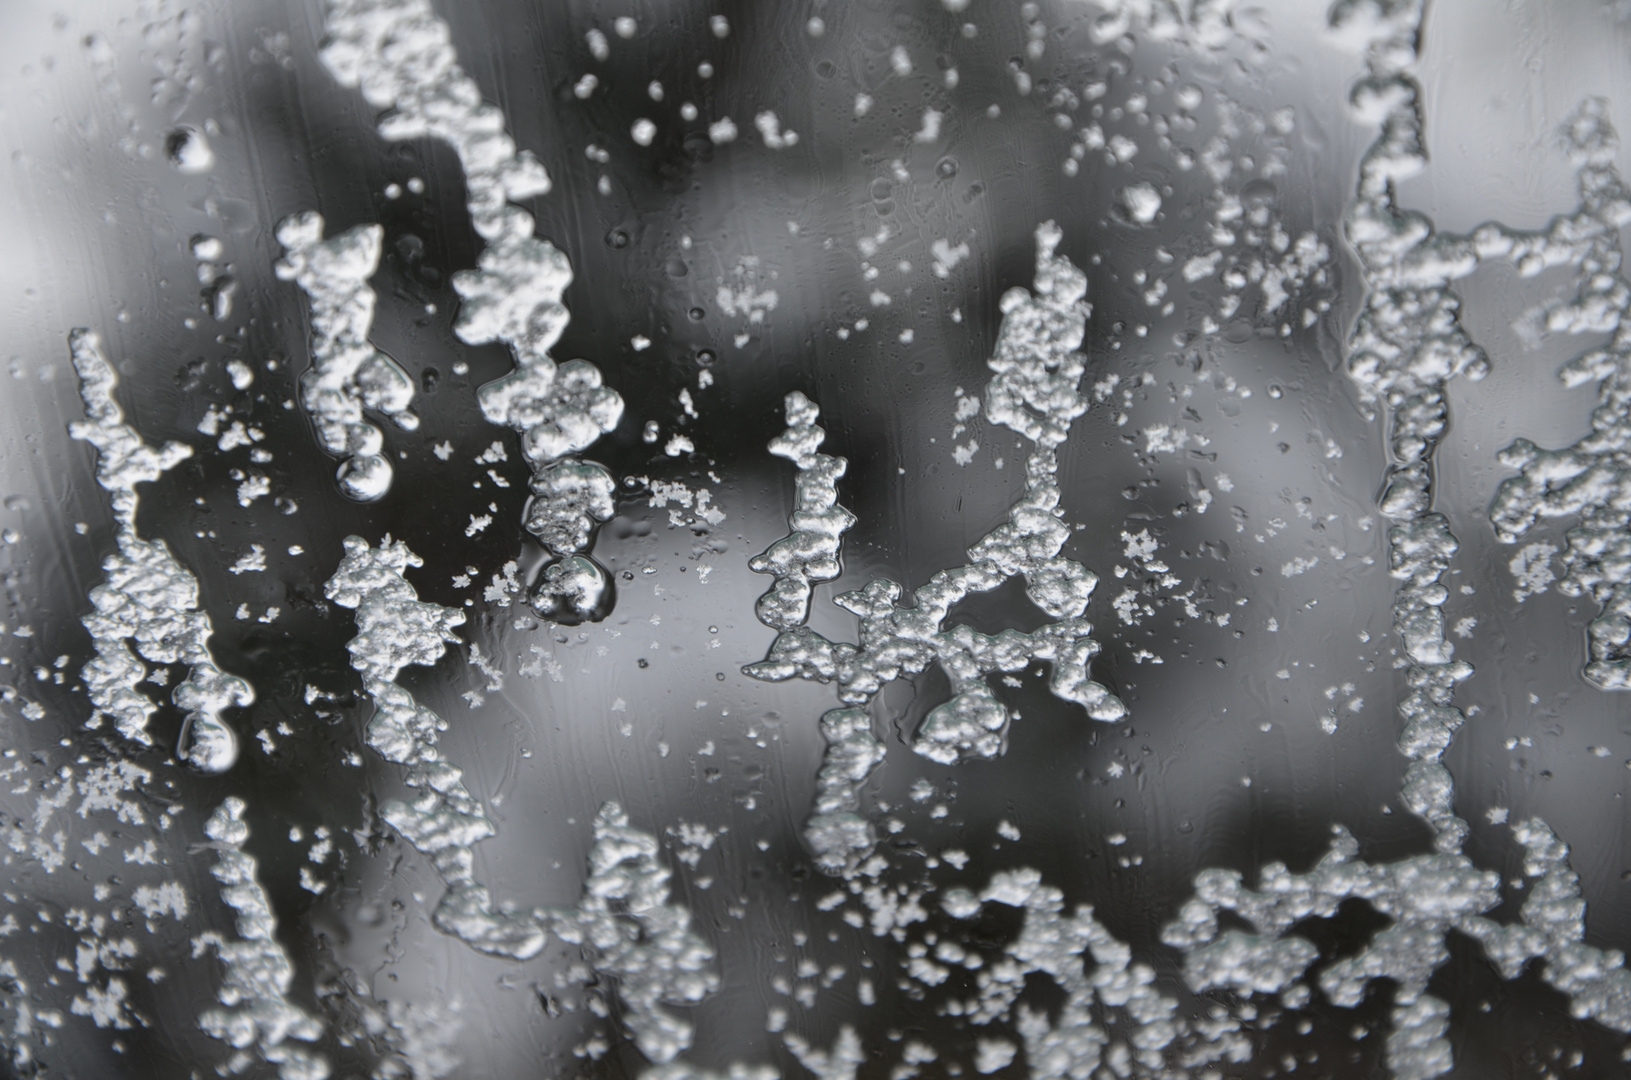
point(207, 745)
point(574, 590)
point(365, 478)
point(188, 150)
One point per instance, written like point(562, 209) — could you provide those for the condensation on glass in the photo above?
point(1075, 540)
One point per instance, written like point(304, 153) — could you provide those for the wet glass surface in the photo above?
point(836, 539)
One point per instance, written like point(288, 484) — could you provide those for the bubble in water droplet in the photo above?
point(946, 168)
point(574, 590)
point(617, 239)
point(696, 314)
point(188, 150)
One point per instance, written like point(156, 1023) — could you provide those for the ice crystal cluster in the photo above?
point(1186, 1010)
point(348, 373)
point(1590, 480)
point(624, 920)
point(1152, 1035)
point(401, 57)
point(256, 1012)
point(1407, 346)
point(1033, 391)
point(394, 629)
point(149, 597)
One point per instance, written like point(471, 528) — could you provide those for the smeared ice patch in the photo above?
point(1164, 439)
point(947, 257)
point(770, 128)
point(839, 1063)
point(929, 130)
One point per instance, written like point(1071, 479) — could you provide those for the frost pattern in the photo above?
point(1159, 1041)
point(809, 554)
point(638, 937)
point(625, 919)
point(148, 597)
point(1407, 344)
point(1034, 392)
point(254, 993)
point(1592, 478)
point(401, 57)
point(348, 374)
point(394, 629)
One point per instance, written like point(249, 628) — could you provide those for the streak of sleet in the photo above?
point(1407, 344)
point(149, 597)
point(1592, 478)
point(401, 57)
point(348, 373)
point(1033, 392)
point(636, 936)
point(256, 1011)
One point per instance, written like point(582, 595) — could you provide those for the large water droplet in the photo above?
point(574, 590)
point(365, 479)
point(1139, 203)
point(207, 745)
point(188, 150)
